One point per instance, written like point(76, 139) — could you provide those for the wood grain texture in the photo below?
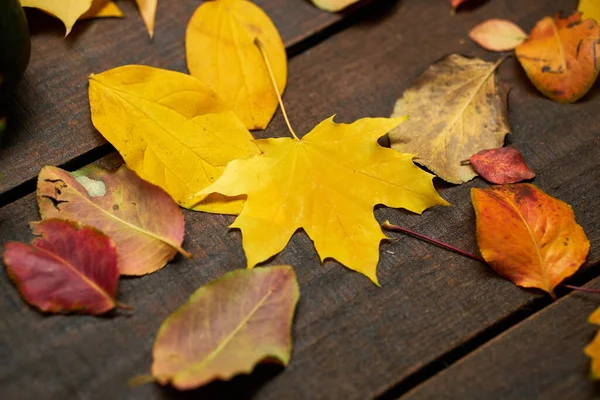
point(49, 117)
point(546, 350)
point(351, 339)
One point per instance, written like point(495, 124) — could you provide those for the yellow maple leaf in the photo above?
point(68, 11)
point(327, 183)
point(170, 129)
point(221, 53)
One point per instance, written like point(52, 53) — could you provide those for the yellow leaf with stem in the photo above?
point(221, 53)
point(327, 183)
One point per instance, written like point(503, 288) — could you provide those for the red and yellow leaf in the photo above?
point(528, 236)
point(69, 269)
point(227, 327)
point(562, 56)
point(501, 166)
point(145, 223)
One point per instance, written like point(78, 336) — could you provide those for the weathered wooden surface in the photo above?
point(351, 339)
point(540, 358)
point(50, 118)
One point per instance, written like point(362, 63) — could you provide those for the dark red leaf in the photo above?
point(501, 166)
point(69, 269)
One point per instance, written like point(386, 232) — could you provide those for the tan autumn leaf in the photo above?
point(590, 9)
point(327, 184)
point(221, 53)
point(333, 5)
point(470, 114)
point(592, 350)
point(528, 236)
point(68, 11)
point(562, 56)
point(227, 327)
point(103, 9)
point(170, 129)
point(497, 35)
point(148, 12)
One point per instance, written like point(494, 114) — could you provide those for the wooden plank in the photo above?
point(541, 358)
point(351, 339)
point(50, 118)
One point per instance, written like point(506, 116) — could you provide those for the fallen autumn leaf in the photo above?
point(501, 166)
point(497, 35)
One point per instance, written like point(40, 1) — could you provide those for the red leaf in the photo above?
point(501, 166)
point(69, 269)
point(456, 3)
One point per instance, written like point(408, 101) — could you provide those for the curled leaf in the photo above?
point(68, 11)
point(68, 269)
point(497, 35)
point(470, 115)
point(562, 56)
point(327, 183)
point(221, 53)
point(227, 327)
point(143, 221)
point(333, 5)
point(501, 166)
point(528, 236)
point(171, 130)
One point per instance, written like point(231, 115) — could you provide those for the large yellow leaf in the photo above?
point(221, 53)
point(328, 184)
point(148, 11)
point(590, 9)
point(170, 129)
point(68, 11)
point(455, 110)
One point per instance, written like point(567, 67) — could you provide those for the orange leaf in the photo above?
point(528, 236)
point(561, 56)
point(497, 35)
point(592, 350)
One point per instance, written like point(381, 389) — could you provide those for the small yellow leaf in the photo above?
point(333, 5)
point(590, 9)
point(328, 184)
point(148, 11)
point(103, 9)
point(221, 53)
point(170, 129)
point(68, 11)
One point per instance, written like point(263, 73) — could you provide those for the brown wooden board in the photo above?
point(351, 339)
point(49, 118)
point(542, 358)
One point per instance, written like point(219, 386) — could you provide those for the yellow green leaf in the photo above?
point(170, 129)
point(590, 9)
point(328, 184)
point(103, 9)
point(68, 11)
point(221, 52)
point(470, 115)
point(227, 327)
point(148, 11)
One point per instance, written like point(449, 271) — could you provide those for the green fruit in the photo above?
point(15, 45)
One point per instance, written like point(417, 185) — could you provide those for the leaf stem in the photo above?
point(390, 227)
point(265, 57)
point(581, 289)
